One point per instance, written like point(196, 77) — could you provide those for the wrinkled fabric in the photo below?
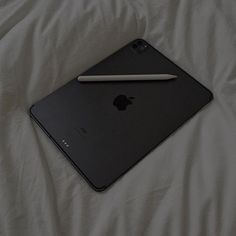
point(186, 186)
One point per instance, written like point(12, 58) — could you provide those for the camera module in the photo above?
point(139, 46)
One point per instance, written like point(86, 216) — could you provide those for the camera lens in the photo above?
point(140, 43)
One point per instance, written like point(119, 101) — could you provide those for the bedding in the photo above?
point(186, 186)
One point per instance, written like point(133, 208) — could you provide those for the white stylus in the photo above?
point(138, 77)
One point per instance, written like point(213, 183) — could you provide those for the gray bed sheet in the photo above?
point(186, 186)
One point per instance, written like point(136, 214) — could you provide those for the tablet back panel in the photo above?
point(105, 128)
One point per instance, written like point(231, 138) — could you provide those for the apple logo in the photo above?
point(122, 101)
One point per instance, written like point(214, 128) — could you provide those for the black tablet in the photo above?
point(105, 128)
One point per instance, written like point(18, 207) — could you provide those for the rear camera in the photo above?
point(140, 43)
point(139, 46)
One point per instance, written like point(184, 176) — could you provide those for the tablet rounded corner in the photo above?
point(31, 110)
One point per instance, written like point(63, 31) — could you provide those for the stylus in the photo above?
point(138, 77)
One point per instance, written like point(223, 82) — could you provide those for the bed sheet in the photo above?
point(186, 186)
